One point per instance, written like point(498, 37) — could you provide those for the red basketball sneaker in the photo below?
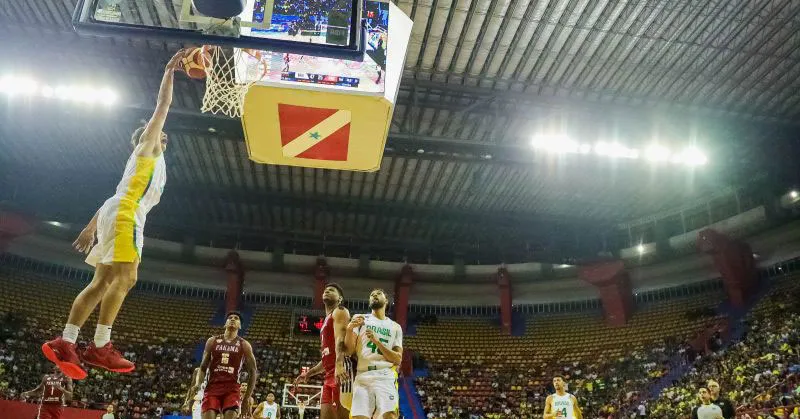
point(107, 357)
point(64, 355)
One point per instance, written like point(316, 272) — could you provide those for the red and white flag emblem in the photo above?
point(314, 133)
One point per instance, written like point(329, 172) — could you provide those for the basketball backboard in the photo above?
point(322, 28)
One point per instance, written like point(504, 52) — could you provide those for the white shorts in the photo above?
point(197, 410)
point(373, 397)
point(119, 238)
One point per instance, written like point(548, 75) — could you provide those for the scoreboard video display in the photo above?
point(309, 325)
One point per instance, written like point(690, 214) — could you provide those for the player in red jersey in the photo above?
point(335, 363)
point(222, 362)
point(53, 391)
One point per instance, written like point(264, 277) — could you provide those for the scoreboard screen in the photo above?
point(309, 325)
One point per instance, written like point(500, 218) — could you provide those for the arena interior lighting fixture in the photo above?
point(563, 144)
point(14, 86)
point(640, 249)
point(794, 194)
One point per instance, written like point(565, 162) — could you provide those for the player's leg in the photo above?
point(231, 404)
point(101, 353)
point(62, 351)
point(387, 399)
point(125, 275)
point(90, 297)
point(211, 405)
point(363, 401)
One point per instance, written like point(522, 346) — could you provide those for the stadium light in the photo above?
point(794, 194)
point(640, 249)
point(657, 153)
point(25, 86)
point(615, 150)
point(693, 157)
point(557, 143)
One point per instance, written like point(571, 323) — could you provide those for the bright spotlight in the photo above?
point(557, 143)
point(640, 249)
point(694, 157)
point(18, 85)
point(794, 194)
point(657, 153)
point(615, 150)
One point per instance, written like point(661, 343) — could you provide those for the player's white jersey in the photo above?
point(143, 180)
point(270, 411)
point(370, 361)
point(563, 406)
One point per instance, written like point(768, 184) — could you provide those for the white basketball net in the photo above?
point(225, 88)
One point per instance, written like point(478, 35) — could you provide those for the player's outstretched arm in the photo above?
point(312, 372)
point(341, 317)
point(252, 377)
point(151, 137)
point(259, 410)
point(39, 389)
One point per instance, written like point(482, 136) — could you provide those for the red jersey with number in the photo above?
point(226, 362)
point(328, 347)
point(52, 393)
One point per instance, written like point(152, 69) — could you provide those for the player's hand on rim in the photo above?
point(175, 62)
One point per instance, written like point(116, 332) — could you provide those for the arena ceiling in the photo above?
point(459, 176)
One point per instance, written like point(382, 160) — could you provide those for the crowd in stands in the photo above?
point(157, 386)
point(475, 372)
point(759, 374)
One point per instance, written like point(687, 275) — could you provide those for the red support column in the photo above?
point(614, 286)
point(402, 293)
point(734, 261)
point(503, 279)
point(321, 273)
point(12, 226)
point(234, 274)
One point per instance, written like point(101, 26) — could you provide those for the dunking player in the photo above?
point(378, 342)
point(53, 391)
point(119, 225)
point(561, 404)
point(335, 362)
point(222, 363)
point(268, 409)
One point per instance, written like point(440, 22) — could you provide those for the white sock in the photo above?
point(70, 333)
point(102, 335)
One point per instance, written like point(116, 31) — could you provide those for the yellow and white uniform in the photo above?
point(563, 406)
point(270, 411)
point(120, 221)
point(375, 387)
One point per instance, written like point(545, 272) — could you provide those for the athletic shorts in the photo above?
point(330, 391)
point(119, 238)
point(221, 400)
point(374, 396)
point(197, 411)
point(50, 411)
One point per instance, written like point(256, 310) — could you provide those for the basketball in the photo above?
point(195, 62)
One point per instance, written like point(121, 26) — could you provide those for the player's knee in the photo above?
point(126, 278)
